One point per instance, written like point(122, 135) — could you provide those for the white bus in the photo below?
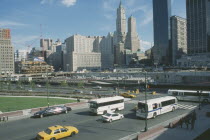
point(155, 107)
point(104, 105)
point(190, 95)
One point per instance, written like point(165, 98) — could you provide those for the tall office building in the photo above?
point(46, 44)
point(80, 53)
point(120, 36)
point(178, 38)
point(21, 55)
point(132, 39)
point(161, 18)
point(121, 24)
point(6, 53)
point(198, 26)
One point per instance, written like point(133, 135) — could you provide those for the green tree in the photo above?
point(32, 84)
point(80, 84)
point(19, 84)
point(64, 83)
point(9, 85)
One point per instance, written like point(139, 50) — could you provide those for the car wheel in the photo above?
point(105, 112)
point(72, 134)
point(41, 116)
point(121, 117)
point(173, 109)
point(205, 101)
point(66, 111)
point(110, 120)
point(154, 115)
point(53, 138)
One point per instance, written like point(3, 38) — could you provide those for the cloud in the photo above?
point(145, 45)
point(10, 24)
point(148, 17)
point(22, 42)
point(66, 3)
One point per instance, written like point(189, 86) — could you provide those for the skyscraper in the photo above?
point(132, 39)
point(198, 26)
point(161, 18)
point(178, 38)
point(6, 53)
point(119, 36)
point(121, 24)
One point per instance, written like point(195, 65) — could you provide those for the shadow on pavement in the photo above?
point(131, 115)
point(85, 113)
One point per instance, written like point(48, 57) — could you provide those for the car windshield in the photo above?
point(108, 115)
point(48, 131)
point(143, 107)
point(93, 105)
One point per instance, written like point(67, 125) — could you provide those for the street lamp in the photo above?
point(199, 93)
point(47, 89)
point(146, 108)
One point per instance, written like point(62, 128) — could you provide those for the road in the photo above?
point(90, 127)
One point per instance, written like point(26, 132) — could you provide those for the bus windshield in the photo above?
point(143, 107)
point(93, 105)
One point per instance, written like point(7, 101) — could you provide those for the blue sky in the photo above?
point(63, 18)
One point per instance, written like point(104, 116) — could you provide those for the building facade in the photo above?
point(82, 52)
point(6, 53)
point(198, 26)
point(132, 39)
point(21, 55)
point(161, 24)
point(178, 38)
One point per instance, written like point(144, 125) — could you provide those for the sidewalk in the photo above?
point(201, 125)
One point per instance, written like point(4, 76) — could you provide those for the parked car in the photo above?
point(57, 132)
point(38, 85)
point(77, 91)
point(97, 87)
point(128, 95)
point(109, 117)
point(52, 111)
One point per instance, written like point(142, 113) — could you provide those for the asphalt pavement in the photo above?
point(90, 127)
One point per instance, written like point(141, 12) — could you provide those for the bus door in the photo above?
point(181, 95)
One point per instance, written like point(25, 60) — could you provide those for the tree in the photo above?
point(80, 84)
point(32, 84)
point(64, 83)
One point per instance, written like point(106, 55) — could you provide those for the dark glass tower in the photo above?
point(161, 19)
point(198, 26)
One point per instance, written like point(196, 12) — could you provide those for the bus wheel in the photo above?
point(116, 110)
point(154, 115)
point(105, 112)
point(110, 120)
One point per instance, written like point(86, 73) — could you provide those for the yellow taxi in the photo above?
point(127, 95)
point(57, 132)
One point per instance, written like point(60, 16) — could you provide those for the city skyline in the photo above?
point(24, 19)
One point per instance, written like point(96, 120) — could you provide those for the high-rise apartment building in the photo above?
point(132, 39)
point(81, 53)
point(198, 26)
point(161, 23)
point(21, 55)
point(6, 53)
point(178, 38)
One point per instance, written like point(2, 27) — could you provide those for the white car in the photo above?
point(109, 117)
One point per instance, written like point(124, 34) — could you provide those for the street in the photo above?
point(90, 127)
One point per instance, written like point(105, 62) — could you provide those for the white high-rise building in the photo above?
point(132, 39)
point(21, 55)
point(178, 37)
point(6, 53)
point(107, 51)
point(82, 53)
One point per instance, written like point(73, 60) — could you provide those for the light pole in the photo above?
point(47, 90)
point(199, 93)
point(146, 108)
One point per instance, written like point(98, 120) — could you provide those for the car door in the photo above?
point(57, 134)
point(64, 132)
point(115, 116)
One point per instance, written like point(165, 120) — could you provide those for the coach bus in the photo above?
point(154, 107)
point(104, 105)
point(190, 95)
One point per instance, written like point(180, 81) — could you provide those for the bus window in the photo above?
point(154, 106)
point(142, 107)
